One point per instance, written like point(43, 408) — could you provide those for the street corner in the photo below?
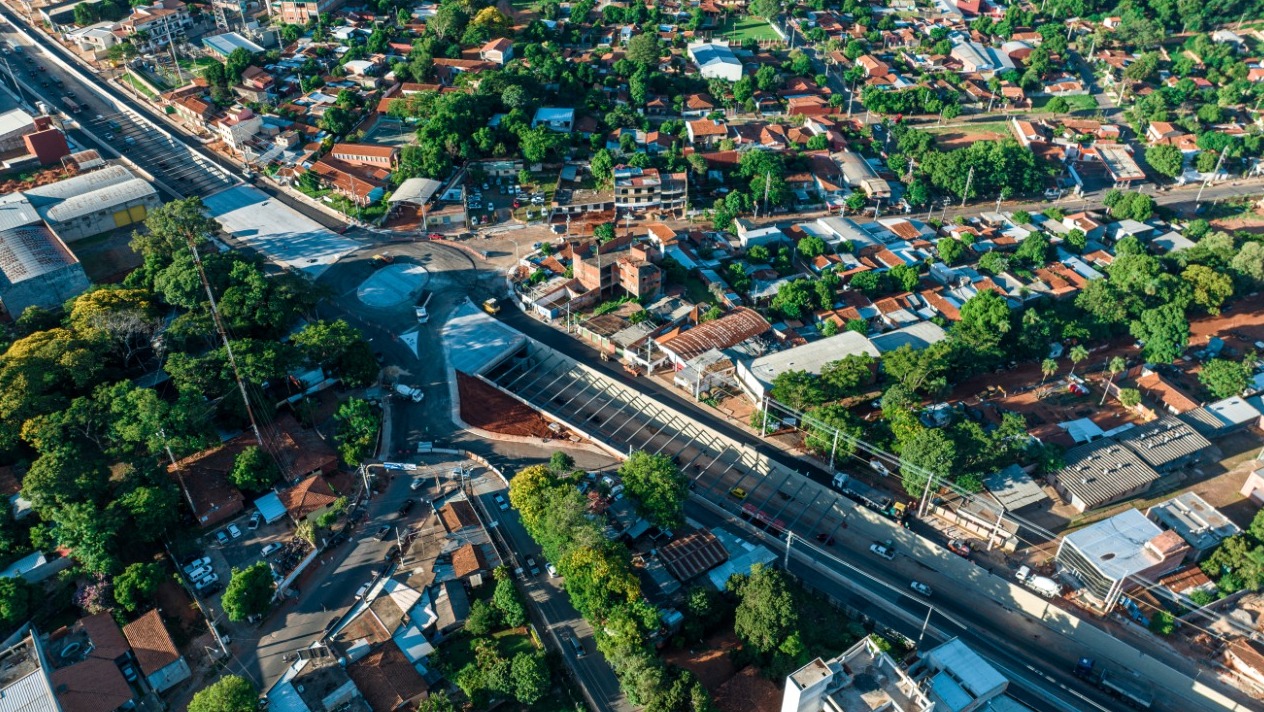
point(393, 284)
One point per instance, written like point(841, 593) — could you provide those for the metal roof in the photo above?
point(1200, 524)
point(693, 554)
point(729, 330)
point(16, 211)
point(963, 676)
point(918, 335)
point(1101, 471)
point(1116, 546)
point(416, 190)
point(1163, 441)
point(15, 121)
point(476, 343)
point(105, 198)
point(812, 357)
point(78, 185)
point(1014, 488)
point(31, 251)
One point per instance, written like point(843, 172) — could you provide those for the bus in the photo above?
point(71, 105)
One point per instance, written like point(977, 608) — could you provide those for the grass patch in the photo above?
point(740, 29)
point(459, 650)
point(1077, 102)
point(697, 292)
point(139, 86)
point(999, 127)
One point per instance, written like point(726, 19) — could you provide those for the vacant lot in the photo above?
point(1077, 102)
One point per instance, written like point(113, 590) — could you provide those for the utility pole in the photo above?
point(1215, 171)
point(767, 189)
point(965, 195)
point(925, 625)
point(228, 347)
point(789, 539)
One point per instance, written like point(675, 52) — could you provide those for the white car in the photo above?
point(196, 564)
point(200, 573)
point(233, 531)
point(410, 392)
point(202, 583)
point(920, 587)
point(551, 569)
point(363, 590)
point(880, 468)
point(417, 484)
point(882, 551)
point(274, 546)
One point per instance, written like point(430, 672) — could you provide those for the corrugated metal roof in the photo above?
point(78, 185)
point(15, 121)
point(30, 251)
point(1102, 471)
point(104, 198)
point(729, 330)
point(28, 694)
point(1163, 441)
point(16, 211)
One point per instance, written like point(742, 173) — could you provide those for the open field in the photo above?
point(740, 29)
point(1078, 102)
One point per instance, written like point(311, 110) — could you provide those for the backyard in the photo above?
point(1076, 102)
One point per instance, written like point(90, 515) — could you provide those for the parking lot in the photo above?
point(237, 544)
point(494, 199)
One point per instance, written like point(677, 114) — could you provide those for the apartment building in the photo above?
point(645, 189)
point(630, 271)
point(298, 13)
point(161, 22)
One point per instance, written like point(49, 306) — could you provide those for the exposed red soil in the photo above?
point(482, 406)
point(710, 662)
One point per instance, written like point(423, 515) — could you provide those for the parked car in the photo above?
point(501, 503)
point(211, 590)
point(407, 506)
point(255, 520)
point(884, 552)
point(959, 547)
point(410, 392)
point(200, 573)
point(196, 564)
point(203, 584)
point(551, 569)
point(383, 532)
point(920, 587)
point(233, 531)
point(221, 537)
point(270, 548)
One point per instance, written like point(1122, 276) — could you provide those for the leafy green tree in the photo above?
point(507, 601)
point(798, 389)
point(767, 618)
point(1034, 249)
point(561, 463)
point(985, 321)
point(237, 62)
point(253, 470)
point(1162, 623)
point(483, 618)
point(657, 486)
point(1077, 354)
point(903, 277)
point(357, 431)
point(950, 250)
point(530, 675)
point(767, 9)
point(228, 694)
point(1115, 366)
point(16, 597)
point(1129, 397)
point(795, 300)
point(604, 232)
point(438, 701)
point(1048, 367)
point(249, 592)
point(1224, 378)
point(846, 375)
point(1057, 105)
point(323, 343)
point(927, 451)
point(1166, 159)
point(1210, 288)
point(1164, 331)
point(136, 586)
point(643, 49)
point(812, 246)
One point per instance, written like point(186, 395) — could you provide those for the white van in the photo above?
point(411, 392)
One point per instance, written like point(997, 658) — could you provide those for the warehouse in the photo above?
point(93, 203)
point(37, 270)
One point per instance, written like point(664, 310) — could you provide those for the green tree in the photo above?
point(798, 389)
point(812, 246)
point(795, 300)
point(929, 451)
point(767, 9)
point(1129, 397)
point(336, 120)
point(985, 321)
point(506, 600)
point(253, 470)
point(1164, 332)
point(604, 232)
point(950, 249)
point(249, 592)
point(483, 618)
point(1048, 367)
point(357, 430)
point(766, 613)
point(644, 50)
point(237, 62)
point(1162, 623)
point(1224, 378)
point(16, 597)
point(438, 701)
point(1210, 288)
point(1077, 354)
point(1057, 105)
point(1166, 159)
point(135, 587)
point(1115, 366)
point(846, 375)
point(227, 694)
point(561, 463)
point(904, 277)
point(657, 486)
point(324, 343)
point(530, 675)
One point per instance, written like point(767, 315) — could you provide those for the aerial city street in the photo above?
point(679, 356)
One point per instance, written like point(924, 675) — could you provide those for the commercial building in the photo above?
point(948, 678)
point(726, 332)
point(640, 190)
point(223, 45)
point(1119, 553)
point(37, 270)
point(861, 176)
point(24, 675)
point(88, 204)
point(1201, 525)
point(715, 60)
point(1102, 473)
point(1166, 444)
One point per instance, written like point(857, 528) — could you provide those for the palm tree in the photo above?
point(1116, 366)
point(1078, 354)
point(1048, 367)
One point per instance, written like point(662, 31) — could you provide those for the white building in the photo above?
point(238, 125)
point(715, 60)
point(557, 119)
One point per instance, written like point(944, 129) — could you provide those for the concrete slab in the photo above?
point(392, 285)
point(281, 233)
point(476, 343)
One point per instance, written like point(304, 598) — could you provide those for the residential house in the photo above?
point(308, 499)
point(162, 22)
point(1119, 553)
point(706, 133)
point(632, 272)
point(86, 660)
point(696, 106)
point(96, 39)
point(237, 126)
point(160, 662)
point(557, 119)
point(366, 154)
point(1246, 657)
point(498, 51)
point(203, 477)
point(257, 85)
point(387, 680)
point(362, 185)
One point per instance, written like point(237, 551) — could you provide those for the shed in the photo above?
point(1014, 488)
point(270, 507)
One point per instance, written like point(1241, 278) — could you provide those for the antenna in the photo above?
point(223, 335)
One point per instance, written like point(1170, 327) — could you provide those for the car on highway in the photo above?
point(884, 552)
point(196, 564)
point(920, 587)
point(825, 538)
point(407, 506)
point(574, 644)
point(532, 566)
point(501, 503)
point(383, 532)
point(360, 592)
point(737, 493)
point(880, 468)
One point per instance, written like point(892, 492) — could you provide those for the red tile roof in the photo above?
point(151, 642)
point(308, 496)
point(387, 680)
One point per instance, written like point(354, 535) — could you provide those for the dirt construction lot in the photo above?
point(482, 406)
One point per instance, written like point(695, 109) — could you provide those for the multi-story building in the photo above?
point(1119, 553)
point(646, 190)
point(161, 22)
point(238, 125)
point(630, 271)
point(366, 154)
point(300, 11)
